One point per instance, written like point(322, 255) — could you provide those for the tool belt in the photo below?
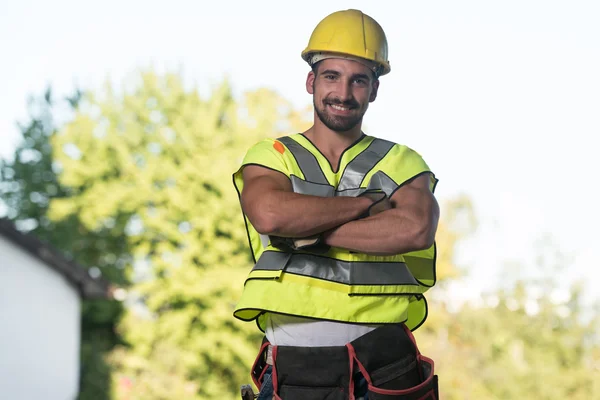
point(388, 359)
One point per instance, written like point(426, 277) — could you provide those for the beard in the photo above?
point(338, 123)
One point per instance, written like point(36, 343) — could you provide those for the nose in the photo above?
point(345, 90)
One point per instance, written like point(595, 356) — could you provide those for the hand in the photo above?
point(380, 203)
point(313, 244)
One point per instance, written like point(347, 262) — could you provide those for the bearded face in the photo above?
point(342, 91)
point(339, 115)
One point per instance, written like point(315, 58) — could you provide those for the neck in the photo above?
point(330, 141)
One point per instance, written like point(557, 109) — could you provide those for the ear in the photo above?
point(374, 89)
point(310, 82)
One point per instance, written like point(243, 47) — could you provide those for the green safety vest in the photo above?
point(338, 285)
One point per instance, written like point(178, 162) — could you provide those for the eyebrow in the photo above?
point(336, 73)
point(361, 76)
point(329, 72)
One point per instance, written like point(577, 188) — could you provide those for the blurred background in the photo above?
point(122, 122)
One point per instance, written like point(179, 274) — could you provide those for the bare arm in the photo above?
point(410, 225)
point(274, 209)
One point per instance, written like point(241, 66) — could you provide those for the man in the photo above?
point(341, 227)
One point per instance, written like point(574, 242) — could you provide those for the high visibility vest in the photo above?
point(338, 285)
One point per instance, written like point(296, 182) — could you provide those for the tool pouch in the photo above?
point(396, 370)
point(303, 373)
point(387, 358)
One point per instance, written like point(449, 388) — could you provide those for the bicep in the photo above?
point(259, 183)
point(417, 198)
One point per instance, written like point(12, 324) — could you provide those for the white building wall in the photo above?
point(39, 329)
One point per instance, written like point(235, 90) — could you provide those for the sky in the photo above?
point(502, 99)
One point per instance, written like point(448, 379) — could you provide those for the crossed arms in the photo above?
point(274, 209)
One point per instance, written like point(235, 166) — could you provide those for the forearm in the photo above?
point(386, 233)
point(290, 214)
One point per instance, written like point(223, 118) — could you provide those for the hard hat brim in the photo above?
point(380, 68)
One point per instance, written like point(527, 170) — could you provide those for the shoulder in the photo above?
point(267, 147)
point(274, 144)
point(403, 163)
point(263, 144)
point(269, 153)
point(397, 150)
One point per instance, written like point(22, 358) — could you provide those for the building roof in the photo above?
point(89, 288)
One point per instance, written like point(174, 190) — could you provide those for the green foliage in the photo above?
point(458, 222)
point(162, 155)
point(138, 184)
point(502, 351)
point(29, 183)
point(521, 341)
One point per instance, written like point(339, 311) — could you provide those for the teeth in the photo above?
point(340, 108)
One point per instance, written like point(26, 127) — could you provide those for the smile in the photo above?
point(339, 107)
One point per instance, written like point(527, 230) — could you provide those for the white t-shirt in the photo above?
point(285, 330)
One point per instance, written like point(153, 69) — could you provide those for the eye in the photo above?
point(329, 77)
point(360, 81)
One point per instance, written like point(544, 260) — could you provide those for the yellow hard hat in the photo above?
point(350, 33)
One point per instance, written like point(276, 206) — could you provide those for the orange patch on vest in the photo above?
point(279, 147)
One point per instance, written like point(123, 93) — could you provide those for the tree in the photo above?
point(29, 183)
point(522, 341)
point(137, 184)
point(163, 156)
point(458, 223)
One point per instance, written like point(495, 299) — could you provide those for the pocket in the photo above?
point(401, 382)
point(401, 374)
point(291, 392)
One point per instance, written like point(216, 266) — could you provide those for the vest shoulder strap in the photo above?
point(359, 167)
point(306, 161)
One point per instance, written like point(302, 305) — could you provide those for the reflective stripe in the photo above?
point(350, 273)
point(272, 260)
point(264, 240)
point(306, 161)
point(421, 269)
point(363, 163)
point(379, 181)
point(316, 189)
